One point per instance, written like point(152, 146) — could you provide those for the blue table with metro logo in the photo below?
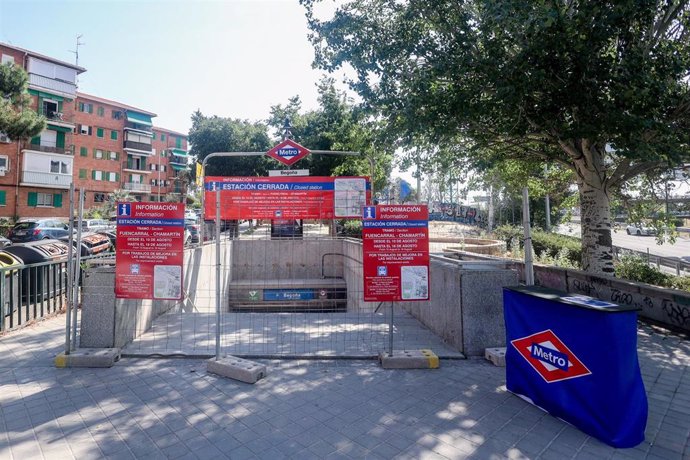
point(576, 358)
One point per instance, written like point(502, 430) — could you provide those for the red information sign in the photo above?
point(395, 244)
point(305, 197)
point(150, 244)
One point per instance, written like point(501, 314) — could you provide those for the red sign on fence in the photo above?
point(395, 242)
point(150, 245)
point(305, 197)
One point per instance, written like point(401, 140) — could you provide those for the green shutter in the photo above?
point(81, 106)
point(117, 156)
point(162, 137)
point(101, 111)
point(113, 135)
point(130, 178)
point(60, 140)
point(117, 177)
point(57, 200)
point(33, 199)
point(143, 164)
point(83, 151)
point(3, 198)
point(178, 142)
point(90, 108)
point(82, 174)
point(36, 140)
point(154, 136)
point(93, 174)
point(60, 107)
point(100, 132)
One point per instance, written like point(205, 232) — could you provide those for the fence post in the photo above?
point(77, 268)
point(390, 334)
point(217, 274)
point(70, 264)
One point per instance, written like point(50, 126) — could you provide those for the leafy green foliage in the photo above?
point(15, 119)
point(211, 134)
point(551, 248)
point(351, 228)
point(598, 87)
point(635, 268)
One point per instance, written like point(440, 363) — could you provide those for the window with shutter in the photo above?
point(57, 200)
point(33, 199)
point(3, 198)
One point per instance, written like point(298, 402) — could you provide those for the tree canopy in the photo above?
point(16, 120)
point(599, 87)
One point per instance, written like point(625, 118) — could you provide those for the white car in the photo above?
point(639, 230)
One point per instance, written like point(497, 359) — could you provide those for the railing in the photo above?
point(49, 83)
point(138, 146)
point(29, 292)
point(49, 147)
point(134, 167)
point(136, 187)
point(49, 179)
point(138, 127)
point(673, 263)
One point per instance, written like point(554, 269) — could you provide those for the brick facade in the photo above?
point(96, 154)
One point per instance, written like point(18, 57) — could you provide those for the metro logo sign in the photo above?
point(288, 152)
point(547, 355)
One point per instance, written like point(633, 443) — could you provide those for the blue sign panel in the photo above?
point(578, 361)
point(282, 295)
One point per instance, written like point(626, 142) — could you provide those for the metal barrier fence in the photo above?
point(672, 263)
point(284, 289)
point(32, 291)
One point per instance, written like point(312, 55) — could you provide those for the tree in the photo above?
point(599, 87)
point(337, 125)
point(219, 134)
point(16, 121)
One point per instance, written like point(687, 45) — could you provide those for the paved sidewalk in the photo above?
point(144, 408)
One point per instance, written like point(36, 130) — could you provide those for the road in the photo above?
point(621, 239)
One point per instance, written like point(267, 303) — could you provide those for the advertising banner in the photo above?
point(310, 197)
point(576, 357)
point(150, 245)
point(395, 245)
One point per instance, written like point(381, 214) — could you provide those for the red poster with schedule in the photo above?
point(395, 246)
point(150, 251)
point(305, 197)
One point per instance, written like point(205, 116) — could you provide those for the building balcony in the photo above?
point(48, 147)
point(62, 88)
point(136, 187)
point(44, 179)
point(56, 118)
point(139, 127)
point(138, 148)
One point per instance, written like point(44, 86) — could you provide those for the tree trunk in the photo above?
point(595, 213)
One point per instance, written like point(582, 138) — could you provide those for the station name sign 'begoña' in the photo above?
point(150, 245)
point(395, 242)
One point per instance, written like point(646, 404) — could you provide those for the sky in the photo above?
point(228, 58)
point(231, 58)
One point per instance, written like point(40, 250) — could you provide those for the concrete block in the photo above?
point(88, 357)
point(409, 359)
point(496, 355)
point(237, 369)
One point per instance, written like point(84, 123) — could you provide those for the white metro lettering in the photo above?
point(550, 356)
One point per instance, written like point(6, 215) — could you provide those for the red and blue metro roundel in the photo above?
point(547, 355)
point(288, 152)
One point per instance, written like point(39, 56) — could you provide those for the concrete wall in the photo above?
point(466, 306)
point(667, 306)
point(276, 260)
point(110, 322)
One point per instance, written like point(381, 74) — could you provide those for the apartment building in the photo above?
point(35, 175)
point(99, 144)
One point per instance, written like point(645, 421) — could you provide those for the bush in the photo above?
point(635, 268)
point(351, 228)
point(680, 282)
point(509, 234)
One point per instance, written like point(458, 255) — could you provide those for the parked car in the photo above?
point(38, 229)
point(286, 228)
point(92, 225)
point(192, 227)
point(4, 242)
point(639, 230)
